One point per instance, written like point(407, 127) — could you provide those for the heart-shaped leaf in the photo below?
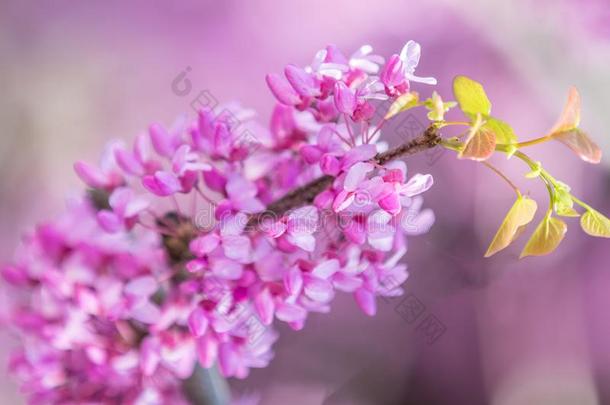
point(580, 143)
point(595, 224)
point(520, 214)
point(566, 131)
point(570, 116)
point(402, 103)
point(504, 133)
point(547, 236)
point(480, 143)
point(471, 96)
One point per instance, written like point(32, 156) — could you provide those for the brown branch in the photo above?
point(305, 194)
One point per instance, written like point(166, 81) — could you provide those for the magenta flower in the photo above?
point(400, 70)
point(191, 244)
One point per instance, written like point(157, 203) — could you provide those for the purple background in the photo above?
point(535, 331)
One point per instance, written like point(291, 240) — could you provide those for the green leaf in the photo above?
point(580, 143)
point(570, 116)
point(480, 143)
point(566, 131)
point(545, 239)
point(595, 224)
point(520, 214)
point(471, 97)
point(403, 103)
point(504, 132)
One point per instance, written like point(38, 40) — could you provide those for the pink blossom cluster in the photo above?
point(82, 299)
point(166, 266)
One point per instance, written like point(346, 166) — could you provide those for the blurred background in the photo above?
point(76, 74)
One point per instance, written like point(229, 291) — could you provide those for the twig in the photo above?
point(305, 194)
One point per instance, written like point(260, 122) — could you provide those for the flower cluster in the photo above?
point(83, 299)
point(175, 256)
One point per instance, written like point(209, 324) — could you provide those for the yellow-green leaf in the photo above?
point(595, 224)
point(580, 143)
point(504, 133)
point(567, 212)
point(470, 96)
point(566, 131)
point(520, 214)
point(570, 116)
point(403, 103)
point(480, 143)
point(547, 236)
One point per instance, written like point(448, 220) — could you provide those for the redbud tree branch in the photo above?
point(305, 194)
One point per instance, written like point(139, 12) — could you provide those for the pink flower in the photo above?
point(297, 228)
point(125, 210)
point(400, 70)
point(154, 271)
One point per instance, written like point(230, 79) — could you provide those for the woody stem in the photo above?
point(305, 194)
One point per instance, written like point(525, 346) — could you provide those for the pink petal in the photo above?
point(290, 312)
point(198, 322)
point(214, 180)
point(343, 200)
point(346, 282)
point(109, 221)
point(310, 153)
point(91, 175)
point(304, 241)
point(140, 148)
point(162, 183)
point(227, 269)
point(418, 224)
point(324, 199)
point(366, 301)
point(330, 164)
point(237, 247)
point(301, 81)
point(293, 281)
point(265, 306)
point(358, 154)
point(207, 350)
point(417, 184)
point(144, 286)
point(227, 359)
point(393, 73)
point(135, 206)
point(394, 176)
point(161, 140)
point(146, 312)
point(356, 175)
point(303, 220)
point(149, 355)
point(205, 123)
point(242, 193)
point(203, 245)
point(355, 232)
point(195, 266)
point(318, 290)
point(282, 90)
point(345, 99)
point(128, 162)
point(326, 269)
point(233, 225)
point(391, 203)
